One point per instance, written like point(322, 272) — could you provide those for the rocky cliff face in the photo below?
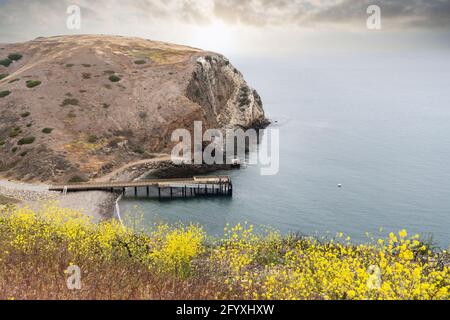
point(77, 107)
point(225, 96)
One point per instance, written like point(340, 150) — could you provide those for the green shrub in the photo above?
point(13, 80)
point(15, 56)
point(69, 65)
point(140, 62)
point(5, 62)
point(114, 78)
point(14, 149)
point(139, 150)
point(86, 65)
point(4, 93)
point(70, 102)
point(3, 76)
point(25, 114)
point(14, 132)
point(2, 142)
point(92, 138)
point(86, 75)
point(29, 125)
point(33, 83)
point(47, 130)
point(23, 154)
point(143, 115)
point(26, 140)
point(77, 179)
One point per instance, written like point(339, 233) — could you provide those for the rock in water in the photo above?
point(74, 107)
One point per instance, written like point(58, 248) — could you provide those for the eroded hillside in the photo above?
point(79, 106)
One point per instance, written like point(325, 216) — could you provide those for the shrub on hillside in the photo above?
point(26, 140)
point(92, 138)
point(3, 76)
point(15, 56)
point(33, 83)
point(114, 78)
point(15, 132)
point(4, 93)
point(70, 102)
point(77, 179)
point(139, 150)
point(47, 130)
point(5, 62)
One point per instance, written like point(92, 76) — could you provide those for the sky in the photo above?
point(241, 27)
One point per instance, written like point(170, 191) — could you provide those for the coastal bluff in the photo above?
point(74, 108)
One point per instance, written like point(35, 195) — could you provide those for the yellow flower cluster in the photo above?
point(246, 264)
point(306, 268)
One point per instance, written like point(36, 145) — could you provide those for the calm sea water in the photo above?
point(378, 125)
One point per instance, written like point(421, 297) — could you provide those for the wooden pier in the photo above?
point(210, 186)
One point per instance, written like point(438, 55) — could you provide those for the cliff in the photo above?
point(80, 106)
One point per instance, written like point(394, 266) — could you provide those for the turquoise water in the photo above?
point(380, 126)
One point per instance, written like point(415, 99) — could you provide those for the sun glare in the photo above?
point(216, 37)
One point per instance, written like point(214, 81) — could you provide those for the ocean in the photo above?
point(378, 125)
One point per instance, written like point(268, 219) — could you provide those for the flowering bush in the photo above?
point(182, 263)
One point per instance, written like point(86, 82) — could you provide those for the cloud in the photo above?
point(248, 22)
point(334, 13)
point(303, 13)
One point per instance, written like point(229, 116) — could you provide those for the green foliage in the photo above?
point(26, 140)
point(33, 83)
point(2, 142)
point(15, 56)
point(4, 93)
point(114, 78)
point(86, 75)
point(70, 102)
point(139, 150)
point(140, 62)
point(13, 150)
point(14, 80)
point(47, 130)
point(3, 76)
point(25, 114)
point(5, 62)
point(69, 65)
point(15, 132)
point(77, 179)
point(92, 138)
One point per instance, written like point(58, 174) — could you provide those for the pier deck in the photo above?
point(161, 188)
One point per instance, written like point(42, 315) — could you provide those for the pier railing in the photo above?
point(161, 188)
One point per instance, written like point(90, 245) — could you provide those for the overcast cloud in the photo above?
point(173, 20)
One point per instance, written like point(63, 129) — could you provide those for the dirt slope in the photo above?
point(79, 106)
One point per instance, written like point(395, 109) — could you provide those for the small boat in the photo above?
point(236, 163)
